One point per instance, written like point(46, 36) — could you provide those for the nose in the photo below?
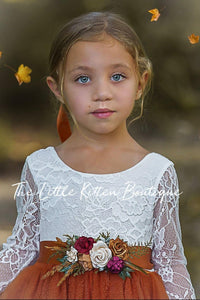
point(102, 90)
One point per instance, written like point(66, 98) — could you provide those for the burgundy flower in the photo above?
point(115, 265)
point(84, 244)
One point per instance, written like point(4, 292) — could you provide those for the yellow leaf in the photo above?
point(155, 14)
point(193, 38)
point(0, 54)
point(22, 74)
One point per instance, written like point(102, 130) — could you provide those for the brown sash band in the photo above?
point(143, 260)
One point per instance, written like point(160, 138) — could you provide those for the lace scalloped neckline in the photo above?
point(100, 174)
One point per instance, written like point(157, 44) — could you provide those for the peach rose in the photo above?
point(119, 248)
point(85, 261)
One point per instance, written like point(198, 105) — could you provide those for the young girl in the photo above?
point(99, 201)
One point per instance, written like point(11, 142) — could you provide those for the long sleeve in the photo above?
point(168, 254)
point(22, 246)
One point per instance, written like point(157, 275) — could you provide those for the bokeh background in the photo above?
point(171, 121)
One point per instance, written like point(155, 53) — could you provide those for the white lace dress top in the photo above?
point(139, 204)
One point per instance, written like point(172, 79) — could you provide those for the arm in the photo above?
point(22, 246)
point(168, 254)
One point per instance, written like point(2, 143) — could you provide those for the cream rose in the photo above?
point(100, 254)
point(72, 255)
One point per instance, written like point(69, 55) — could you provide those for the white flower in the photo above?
point(72, 255)
point(100, 254)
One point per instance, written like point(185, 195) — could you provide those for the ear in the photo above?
point(53, 85)
point(141, 85)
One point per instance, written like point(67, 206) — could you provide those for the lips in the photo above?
point(102, 113)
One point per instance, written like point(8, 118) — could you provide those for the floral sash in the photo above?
point(77, 255)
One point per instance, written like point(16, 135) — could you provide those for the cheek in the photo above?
point(129, 89)
point(72, 98)
point(77, 105)
point(127, 96)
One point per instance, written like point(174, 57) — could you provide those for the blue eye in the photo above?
point(117, 77)
point(83, 79)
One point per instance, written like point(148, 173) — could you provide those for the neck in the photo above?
point(98, 142)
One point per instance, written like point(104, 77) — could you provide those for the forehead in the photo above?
point(102, 51)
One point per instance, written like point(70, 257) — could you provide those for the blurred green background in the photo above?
point(171, 121)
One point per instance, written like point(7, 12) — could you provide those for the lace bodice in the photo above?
point(139, 204)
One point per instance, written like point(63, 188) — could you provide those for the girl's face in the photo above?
point(100, 84)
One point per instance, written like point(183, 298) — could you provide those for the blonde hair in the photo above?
point(90, 27)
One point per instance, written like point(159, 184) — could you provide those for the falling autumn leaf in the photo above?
point(22, 74)
point(155, 14)
point(0, 54)
point(193, 38)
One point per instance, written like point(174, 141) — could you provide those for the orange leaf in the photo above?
point(0, 54)
point(193, 38)
point(22, 74)
point(155, 14)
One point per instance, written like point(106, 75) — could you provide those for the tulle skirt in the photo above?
point(29, 284)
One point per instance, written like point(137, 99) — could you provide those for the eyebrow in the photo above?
point(121, 65)
point(80, 68)
point(87, 68)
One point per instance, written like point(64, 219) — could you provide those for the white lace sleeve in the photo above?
point(22, 246)
point(168, 254)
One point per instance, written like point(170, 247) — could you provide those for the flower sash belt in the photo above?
point(77, 255)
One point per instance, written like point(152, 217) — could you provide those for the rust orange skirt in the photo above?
point(90, 285)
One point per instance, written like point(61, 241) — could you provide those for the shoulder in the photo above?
point(41, 154)
point(157, 165)
point(164, 169)
point(153, 162)
point(40, 159)
point(159, 161)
